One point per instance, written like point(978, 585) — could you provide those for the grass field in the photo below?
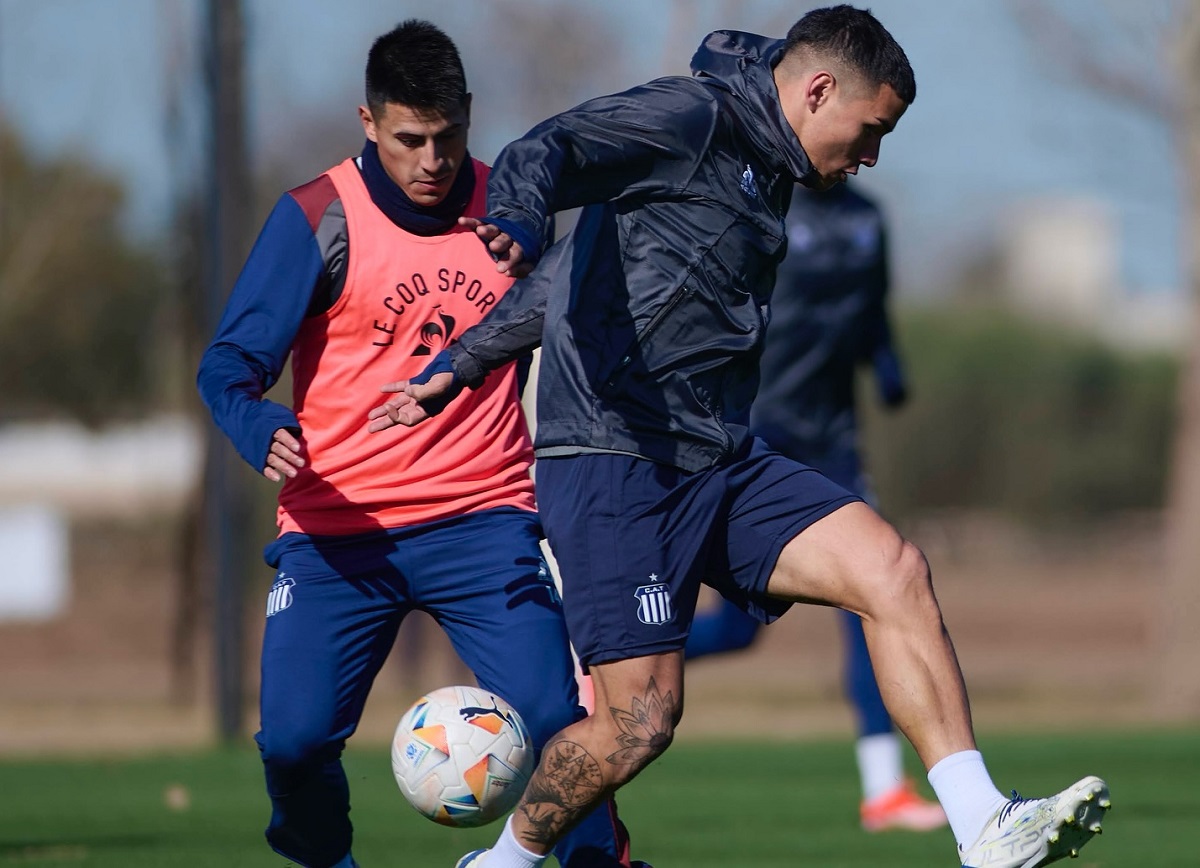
point(705, 804)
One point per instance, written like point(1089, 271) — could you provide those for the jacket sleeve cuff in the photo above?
point(439, 364)
point(531, 245)
point(467, 369)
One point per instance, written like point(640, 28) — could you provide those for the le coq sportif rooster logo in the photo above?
point(435, 334)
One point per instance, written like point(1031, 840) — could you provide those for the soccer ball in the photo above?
point(462, 756)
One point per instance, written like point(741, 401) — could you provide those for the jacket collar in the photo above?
point(403, 211)
point(745, 64)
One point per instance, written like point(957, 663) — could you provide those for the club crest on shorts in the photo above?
point(654, 602)
point(280, 596)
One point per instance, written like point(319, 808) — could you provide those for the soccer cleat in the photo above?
point(1030, 833)
point(901, 808)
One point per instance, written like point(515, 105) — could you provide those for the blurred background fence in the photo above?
point(1043, 196)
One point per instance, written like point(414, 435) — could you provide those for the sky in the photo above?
point(998, 122)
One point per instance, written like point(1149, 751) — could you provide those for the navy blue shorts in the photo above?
point(634, 540)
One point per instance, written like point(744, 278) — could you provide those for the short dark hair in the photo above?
point(415, 65)
point(857, 39)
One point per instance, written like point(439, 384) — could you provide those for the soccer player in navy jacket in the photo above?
point(651, 317)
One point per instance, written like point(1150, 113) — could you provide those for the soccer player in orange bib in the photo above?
point(361, 275)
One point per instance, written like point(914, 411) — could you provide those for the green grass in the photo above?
point(703, 804)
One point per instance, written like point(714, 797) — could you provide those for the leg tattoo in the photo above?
point(564, 786)
point(569, 782)
point(646, 730)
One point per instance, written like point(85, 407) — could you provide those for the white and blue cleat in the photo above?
point(1030, 833)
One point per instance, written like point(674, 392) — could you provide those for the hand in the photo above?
point(284, 459)
point(510, 258)
point(405, 409)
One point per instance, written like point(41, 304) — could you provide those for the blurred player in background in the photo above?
point(651, 317)
point(359, 274)
point(829, 318)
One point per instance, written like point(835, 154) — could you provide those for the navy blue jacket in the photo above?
point(655, 306)
point(828, 319)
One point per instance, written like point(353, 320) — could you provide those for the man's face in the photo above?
point(421, 152)
point(843, 127)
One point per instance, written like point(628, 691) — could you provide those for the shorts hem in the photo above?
point(774, 607)
point(615, 655)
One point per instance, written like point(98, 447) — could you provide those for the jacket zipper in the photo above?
point(655, 321)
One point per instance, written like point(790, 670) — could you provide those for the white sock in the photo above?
point(507, 853)
point(967, 794)
point(880, 764)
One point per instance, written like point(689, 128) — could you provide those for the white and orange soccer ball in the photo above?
point(462, 756)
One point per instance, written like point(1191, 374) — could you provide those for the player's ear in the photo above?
point(819, 90)
point(466, 104)
point(368, 122)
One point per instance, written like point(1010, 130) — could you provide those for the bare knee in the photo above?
point(638, 741)
point(912, 569)
point(905, 583)
point(634, 731)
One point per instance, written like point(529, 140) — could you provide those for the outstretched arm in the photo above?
point(510, 331)
point(605, 150)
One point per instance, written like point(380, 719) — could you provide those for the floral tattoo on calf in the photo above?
point(569, 780)
point(646, 730)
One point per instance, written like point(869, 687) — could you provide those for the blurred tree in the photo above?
point(80, 305)
point(559, 50)
point(228, 514)
point(1148, 56)
point(1050, 427)
point(213, 229)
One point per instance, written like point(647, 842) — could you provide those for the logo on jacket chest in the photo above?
point(746, 182)
point(422, 294)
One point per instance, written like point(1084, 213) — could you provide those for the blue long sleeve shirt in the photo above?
point(262, 316)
